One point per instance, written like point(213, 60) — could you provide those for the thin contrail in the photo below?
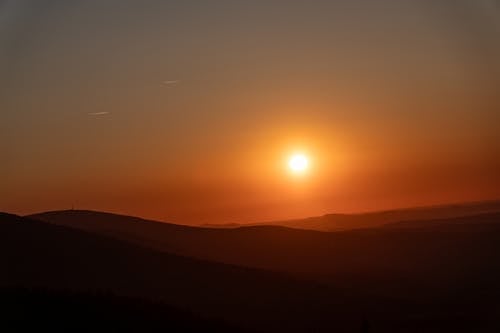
point(97, 113)
point(170, 82)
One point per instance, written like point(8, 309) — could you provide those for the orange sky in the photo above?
point(187, 112)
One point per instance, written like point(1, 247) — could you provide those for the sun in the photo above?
point(298, 163)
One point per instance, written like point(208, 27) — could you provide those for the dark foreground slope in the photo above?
point(35, 310)
point(37, 255)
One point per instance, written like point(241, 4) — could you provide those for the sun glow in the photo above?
point(298, 163)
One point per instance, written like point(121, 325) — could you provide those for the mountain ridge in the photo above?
point(330, 221)
point(400, 276)
point(64, 259)
point(346, 221)
point(348, 258)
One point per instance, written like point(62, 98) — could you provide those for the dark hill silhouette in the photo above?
point(223, 225)
point(37, 255)
point(386, 259)
point(483, 222)
point(404, 280)
point(331, 222)
point(337, 222)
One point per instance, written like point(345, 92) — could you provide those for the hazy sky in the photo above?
point(186, 110)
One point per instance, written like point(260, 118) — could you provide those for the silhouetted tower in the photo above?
point(365, 326)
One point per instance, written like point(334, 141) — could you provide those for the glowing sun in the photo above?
point(298, 163)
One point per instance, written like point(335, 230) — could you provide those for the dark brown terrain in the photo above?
point(435, 275)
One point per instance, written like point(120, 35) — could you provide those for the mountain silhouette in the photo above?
point(337, 222)
point(36, 255)
point(427, 275)
point(359, 259)
point(444, 272)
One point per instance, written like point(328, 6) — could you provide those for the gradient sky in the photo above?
point(186, 110)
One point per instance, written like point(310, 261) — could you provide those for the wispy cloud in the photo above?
point(98, 113)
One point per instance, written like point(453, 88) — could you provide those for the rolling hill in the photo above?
point(404, 279)
point(337, 222)
point(390, 259)
point(40, 256)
